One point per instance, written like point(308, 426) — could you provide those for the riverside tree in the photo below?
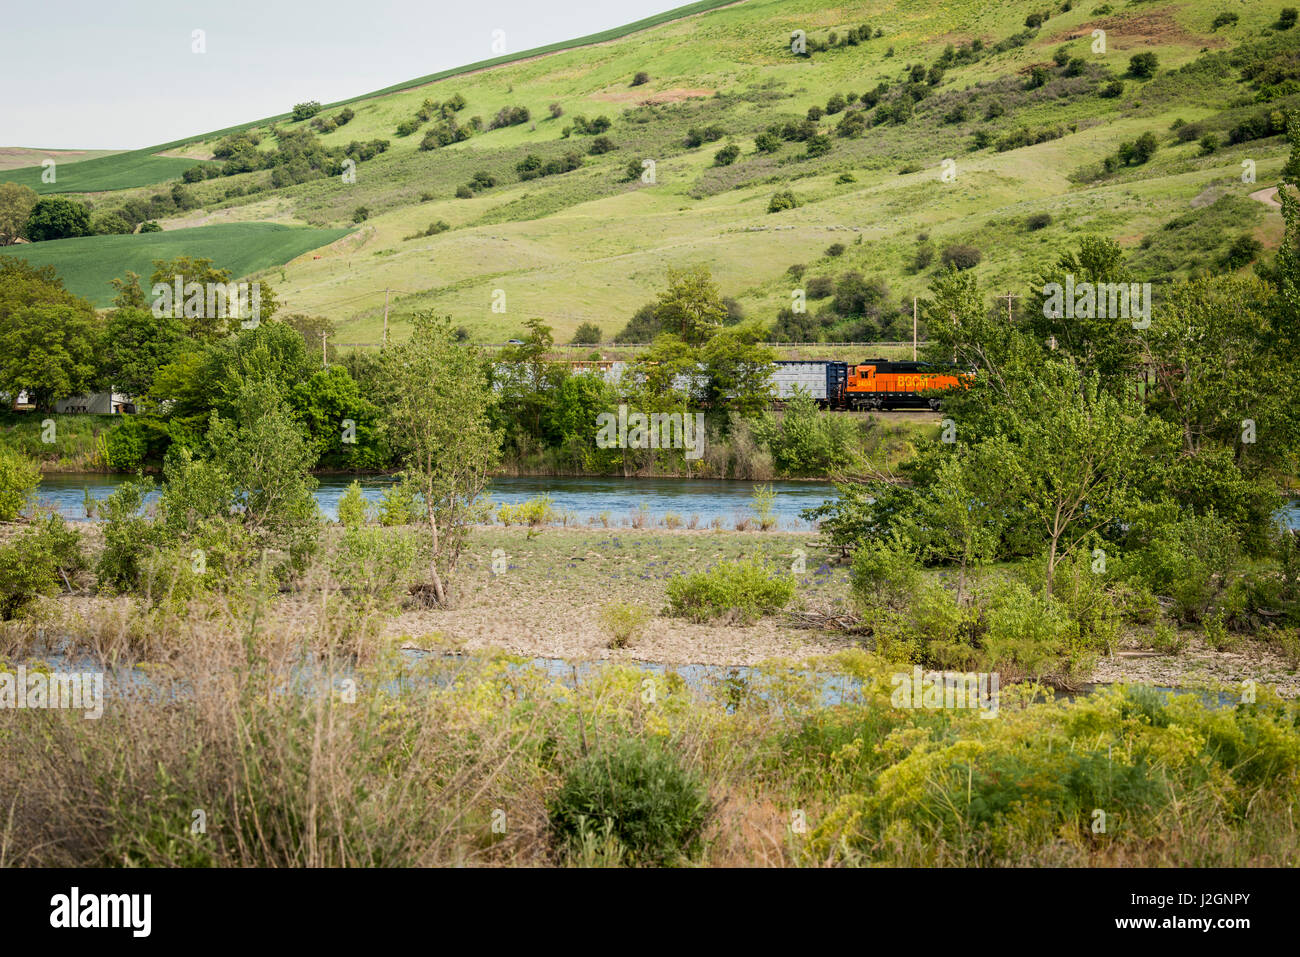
point(437, 406)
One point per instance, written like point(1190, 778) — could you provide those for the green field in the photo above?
point(105, 173)
point(87, 264)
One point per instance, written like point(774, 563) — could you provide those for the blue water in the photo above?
point(584, 498)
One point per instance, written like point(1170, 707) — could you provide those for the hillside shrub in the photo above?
point(781, 201)
point(961, 256)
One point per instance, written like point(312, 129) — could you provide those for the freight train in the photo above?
point(876, 384)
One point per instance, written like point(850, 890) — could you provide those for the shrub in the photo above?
point(464, 192)
point(637, 794)
point(352, 507)
point(125, 445)
point(305, 111)
point(885, 575)
point(19, 478)
point(781, 201)
point(819, 287)
point(763, 498)
point(835, 249)
point(398, 505)
point(1038, 221)
point(1286, 19)
point(727, 155)
point(128, 536)
point(641, 78)
point(624, 622)
point(1244, 249)
point(360, 214)
point(1225, 19)
point(961, 256)
point(34, 563)
point(532, 512)
point(587, 334)
point(1142, 65)
point(1209, 144)
point(743, 590)
point(818, 145)
point(767, 142)
point(1112, 90)
point(601, 144)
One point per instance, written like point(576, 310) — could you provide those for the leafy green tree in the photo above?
point(266, 456)
point(691, 306)
point(528, 378)
point(50, 350)
point(1143, 65)
point(343, 424)
point(136, 345)
point(960, 517)
point(738, 369)
point(587, 334)
point(189, 269)
point(56, 217)
point(1068, 457)
point(436, 410)
point(16, 204)
point(1108, 345)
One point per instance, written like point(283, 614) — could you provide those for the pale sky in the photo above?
point(122, 75)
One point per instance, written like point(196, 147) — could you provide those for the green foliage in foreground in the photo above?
point(744, 590)
point(637, 793)
point(409, 778)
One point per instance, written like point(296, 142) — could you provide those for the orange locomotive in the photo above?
point(881, 384)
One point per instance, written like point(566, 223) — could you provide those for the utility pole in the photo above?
point(385, 317)
point(1009, 298)
point(913, 328)
point(324, 353)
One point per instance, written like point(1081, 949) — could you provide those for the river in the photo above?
point(584, 498)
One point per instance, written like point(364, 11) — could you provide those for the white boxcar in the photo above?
point(809, 376)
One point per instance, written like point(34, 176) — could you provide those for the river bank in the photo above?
point(540, 593)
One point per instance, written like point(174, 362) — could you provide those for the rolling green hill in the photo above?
point(105, 173)
point(1028, 137)
point(88, 264)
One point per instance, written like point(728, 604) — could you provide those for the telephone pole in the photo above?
point(913, 328)
point(385, 317)
point(1009, 297)
point(324, 353)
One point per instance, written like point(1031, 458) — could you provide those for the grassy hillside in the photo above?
point(593, 244)
point(88, 264)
